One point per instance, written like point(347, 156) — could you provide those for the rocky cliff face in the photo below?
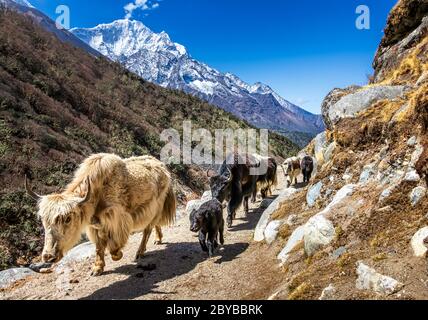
point(359, 230)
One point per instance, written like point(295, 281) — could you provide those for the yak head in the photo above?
point(62, 216)
point(196, 220)
point(220, 185)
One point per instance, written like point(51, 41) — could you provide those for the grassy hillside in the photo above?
point(58, 105)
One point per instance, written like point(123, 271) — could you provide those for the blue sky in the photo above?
point(302, 49)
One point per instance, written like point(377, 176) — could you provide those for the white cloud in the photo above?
point(141, 5)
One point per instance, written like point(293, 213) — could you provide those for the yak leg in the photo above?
point(159, 235)
point(202, 241)
point(246, 207)
point(254, 195)
point(211, 243)
point(98, 267)
point(221, 231)
point(231, 210)
point(143, 246)
point(116, 254)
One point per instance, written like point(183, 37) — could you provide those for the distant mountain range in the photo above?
point(156, 58)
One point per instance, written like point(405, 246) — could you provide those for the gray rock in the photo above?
point(386, 193)
point(313, 194)
point(272, 230)
point(369, 279)
point(10, 276)
point(331, 99)
point(350, 105)
point(328, 154)
point(79, 253)
point(318, 232)
point(343, 193)
point(338, 253)
point(418, 244)
point(417, 194)
point(285, 195)
point(36, 267)
point(368, 173)
point(293, 241)
point(320, 145)
point(416, 155)
point(412, 176)
point(328, 293)
point(412, 141)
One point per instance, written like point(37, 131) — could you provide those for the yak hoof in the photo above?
point(139, 256)
point(158, 242)
point(117, 256)
point(97, 271)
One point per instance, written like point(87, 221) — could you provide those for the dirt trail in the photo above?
point(242, 269)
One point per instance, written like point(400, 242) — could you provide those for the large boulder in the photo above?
point(79, 253)
point(10, 276)
point(272, 230)
point(332, 97)
point(351, 104)
point(259, 233)
point(369, 279)
point(318, 232)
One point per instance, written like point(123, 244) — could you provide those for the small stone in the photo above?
point(338, 253)
point(412, 141)
point(46, 270)
point(412, 176)
point(417, 194)
point(418, 244)
point(386, 193)
point(37, 267)
point(369, 279)
point(74, 281)
point(367, 173)
point(328, 293)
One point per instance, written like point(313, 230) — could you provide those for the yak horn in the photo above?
point(30, 192)
point(210, 173)
point(88, 192)
point(230, 174)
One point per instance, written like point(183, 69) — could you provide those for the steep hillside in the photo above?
point(59, 104)
point(156, 58)
point(359, 230)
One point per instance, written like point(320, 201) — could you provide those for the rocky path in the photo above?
point(175, 270)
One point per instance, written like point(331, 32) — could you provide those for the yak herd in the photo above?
point(109, 198)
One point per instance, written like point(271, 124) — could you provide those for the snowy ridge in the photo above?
point(156, 58)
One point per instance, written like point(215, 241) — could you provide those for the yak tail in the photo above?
point(169, 209)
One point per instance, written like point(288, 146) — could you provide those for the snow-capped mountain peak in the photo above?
point(156, 58)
